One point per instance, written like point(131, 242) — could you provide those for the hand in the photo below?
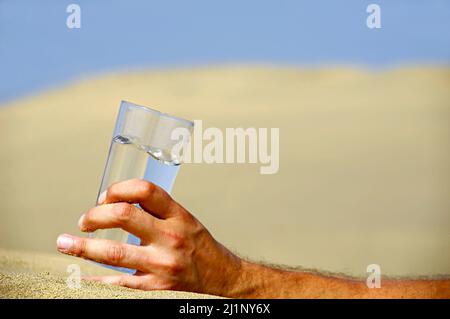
point(176, 251)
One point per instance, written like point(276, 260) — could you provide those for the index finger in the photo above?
point(149, 196)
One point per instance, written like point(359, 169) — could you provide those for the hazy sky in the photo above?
point(38, 51)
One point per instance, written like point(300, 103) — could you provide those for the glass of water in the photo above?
point(142, 147)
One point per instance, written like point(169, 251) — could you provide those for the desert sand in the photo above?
point(40, 275)
point(364, 164)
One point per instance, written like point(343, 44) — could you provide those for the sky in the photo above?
point(38, 51)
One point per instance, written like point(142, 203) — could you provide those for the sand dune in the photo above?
point(364, 163)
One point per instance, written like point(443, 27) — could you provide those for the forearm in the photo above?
point(258, 281)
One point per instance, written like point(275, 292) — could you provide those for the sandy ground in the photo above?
point(44, 275)
point(364, 163)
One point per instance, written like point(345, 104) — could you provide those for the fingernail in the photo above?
point(101, 198)
point(64, 243)
point(80, 221)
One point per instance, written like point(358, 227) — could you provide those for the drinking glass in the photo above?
point(141, 147)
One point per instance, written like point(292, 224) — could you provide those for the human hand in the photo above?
point(176, 252)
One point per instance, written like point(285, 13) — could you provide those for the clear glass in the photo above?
point(140, 148)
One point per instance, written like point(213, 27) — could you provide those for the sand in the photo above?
point(44, 275)
point(364, 162)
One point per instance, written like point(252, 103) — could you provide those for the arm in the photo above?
point(266, 282)
point(178, 253)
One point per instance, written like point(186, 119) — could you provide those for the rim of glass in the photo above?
point(159, 113)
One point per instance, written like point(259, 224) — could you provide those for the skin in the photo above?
point(178, 253)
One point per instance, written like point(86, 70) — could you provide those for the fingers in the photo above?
point(133, 282)
point(150, 197)
point(120, 215)
point(106, 251)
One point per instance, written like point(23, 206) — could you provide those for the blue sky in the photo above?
point(38, 51)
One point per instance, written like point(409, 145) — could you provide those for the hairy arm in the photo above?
point(259, 281)
point(178, 253)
